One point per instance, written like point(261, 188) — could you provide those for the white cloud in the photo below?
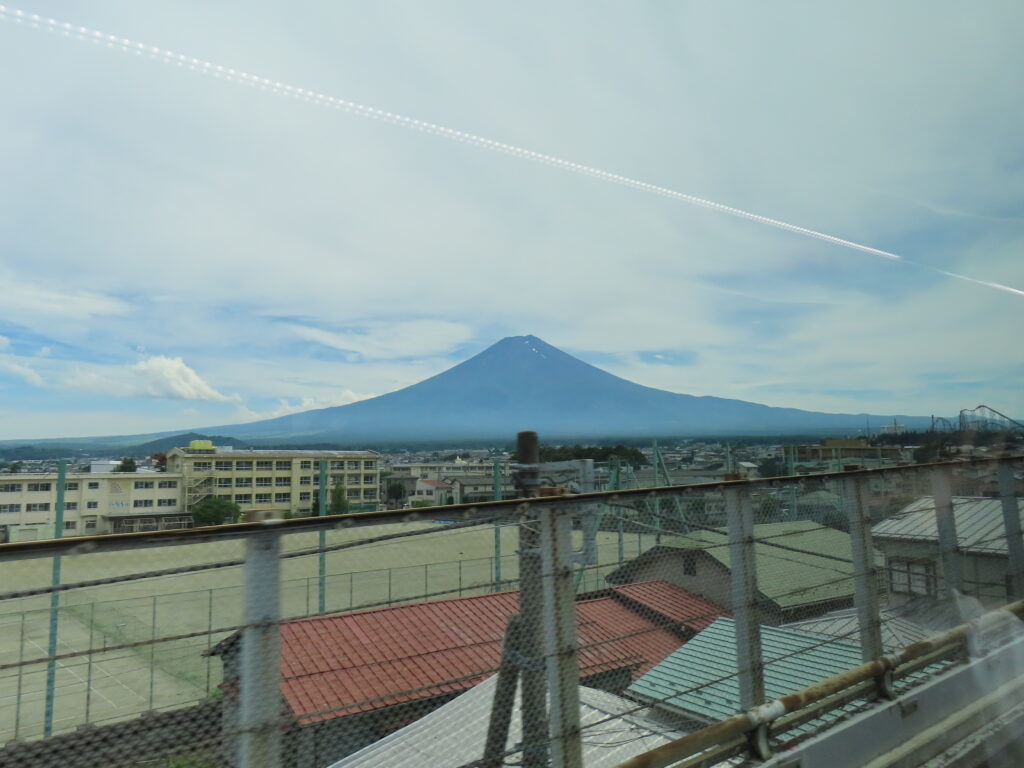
point(285, 407)
point(11, 365)
point(26, 300)
point(158, 376)
point(381, 341)
point(4, 343)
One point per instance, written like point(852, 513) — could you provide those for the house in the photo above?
point(454, 735)
point(431, 493)
point(804, 569)
point(910, 543)
point(348, 680)
point(471, 488)
point(699, 680)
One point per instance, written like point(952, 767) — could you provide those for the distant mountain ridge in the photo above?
point(522, 382)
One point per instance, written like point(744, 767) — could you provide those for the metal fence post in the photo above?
point(51, 649)
point(560, 643)
point(744, 597)
point(260, 667)
point(1011, 520)
point(945, 522)
point(152, 651)
point(531, 601)
point(865, 575)
point(322, 539)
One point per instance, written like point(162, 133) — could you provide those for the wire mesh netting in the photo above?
point(563, 630)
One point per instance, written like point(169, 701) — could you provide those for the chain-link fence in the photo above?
point(570, 630)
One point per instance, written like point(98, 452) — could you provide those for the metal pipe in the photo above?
point(496, 493)
point(51, 648)
point(560, 641)
point(1011, 521)
point(259, 667)
point(744, 598)
point(736, 726)
point(945, 522)
point(865, 575)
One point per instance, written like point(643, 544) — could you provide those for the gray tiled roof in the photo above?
point(979, 523)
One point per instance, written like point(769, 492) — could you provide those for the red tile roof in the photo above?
point(338, 665)
point(671, 602)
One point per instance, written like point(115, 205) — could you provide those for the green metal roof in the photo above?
point(793, 660)
point(787, 577)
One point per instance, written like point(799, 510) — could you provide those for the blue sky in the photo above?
point(180, 250)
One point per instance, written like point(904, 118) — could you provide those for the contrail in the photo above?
point(232, 75)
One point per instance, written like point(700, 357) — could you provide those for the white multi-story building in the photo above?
point(115, 502)
point(286, 481)
point(94, 502)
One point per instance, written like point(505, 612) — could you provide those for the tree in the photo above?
point(127, 465)
point(395, 492)
point(15, 467)
point(214, 510)
point(338, 504)
point(771, 467)
point(160, 461)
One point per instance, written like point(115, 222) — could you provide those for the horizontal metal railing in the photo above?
point(481, 512)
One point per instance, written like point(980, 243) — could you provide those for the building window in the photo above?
point(223, 482)
point(305, 464)
point(243, 482)
point(283, 466)
point(93, 485)
point(6, 508)
point(305, 480)
point(243, 498)
point(369, 465)
point(38, 487)
point(352, 480)
point(337, 479)
point(283, 482)
point(138, 503)
point(167, 484)
point(352, 493)
point(139, 484)
point(282, 498)
point(243, 466)
point(40, 507)
point(264, 482)
point(263, 498)
point(224, 496)
point(92, 505)
point(369, 493)
point(90, 525)
point(70, 525)
point(353, 465)
point(70, 486)
point(264, 466)
point(71, 506)
point(912, 577)
point(10, 487)
point(367, 479)
point(167, 502)
point(202, 466)
point(305, 496)
point(224, 466)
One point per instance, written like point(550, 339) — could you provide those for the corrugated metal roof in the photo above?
point(792, 574)
point(338, 665)
point(897, 631)
point(454, 734)
point(979, 523)
point(700, 679)
point(671, 602)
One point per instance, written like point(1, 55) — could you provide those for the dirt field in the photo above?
point(122, 683)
